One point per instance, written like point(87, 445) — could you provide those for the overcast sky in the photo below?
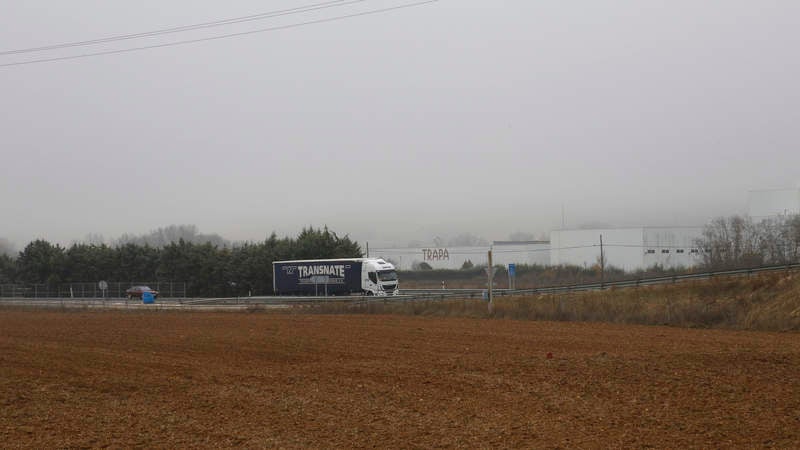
point(460, 116)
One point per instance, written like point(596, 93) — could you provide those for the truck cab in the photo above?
point(379, 277)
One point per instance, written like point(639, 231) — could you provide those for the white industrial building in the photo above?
point(503, 253)
point(765, 203)
point(629, 249)
point(531, 253)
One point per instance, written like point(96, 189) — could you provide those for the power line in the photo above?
point(414, 251)
point(216, 23)
point(649, 246)
point(482, 251)
point(223, 36)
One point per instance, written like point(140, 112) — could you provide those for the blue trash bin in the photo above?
point(147, 298)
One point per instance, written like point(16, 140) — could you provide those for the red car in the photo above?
point(137, 291)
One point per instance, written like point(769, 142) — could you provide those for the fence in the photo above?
point(115, 289)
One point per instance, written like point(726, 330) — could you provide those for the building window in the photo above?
point(694, 250)
point(648, 251)
point(664, 250)
point(680, 250)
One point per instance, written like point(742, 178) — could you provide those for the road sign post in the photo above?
point(103, 285)
point(317, 280)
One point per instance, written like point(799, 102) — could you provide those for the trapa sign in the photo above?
point(435, 254)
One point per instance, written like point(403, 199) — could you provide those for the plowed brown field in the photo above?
point(177, 380)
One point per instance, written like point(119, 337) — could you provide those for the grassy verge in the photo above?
point(764, 302)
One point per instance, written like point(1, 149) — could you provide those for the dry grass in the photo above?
point(764, 302)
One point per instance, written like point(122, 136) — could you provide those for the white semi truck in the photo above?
point(367, 276)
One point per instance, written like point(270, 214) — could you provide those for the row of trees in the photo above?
point(208, 269)
point(739, 241)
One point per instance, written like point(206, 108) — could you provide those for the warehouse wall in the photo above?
point(627, 248)
point(671, 247)
point(505, 252)
point(622, 247)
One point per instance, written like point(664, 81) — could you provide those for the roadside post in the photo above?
point(103, 285)
point(317, 280)
point(490, 275)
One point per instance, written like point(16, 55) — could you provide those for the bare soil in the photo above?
point(73, 379)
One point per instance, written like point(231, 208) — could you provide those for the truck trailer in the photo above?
point(365, 276)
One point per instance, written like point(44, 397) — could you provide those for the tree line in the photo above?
point(740, 241)
point(206, 268)
point(211, 269)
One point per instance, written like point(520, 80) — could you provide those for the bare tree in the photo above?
point(737, 241)
point(162, 237)
point(793, 238)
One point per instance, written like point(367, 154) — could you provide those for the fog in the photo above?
point(487, 118)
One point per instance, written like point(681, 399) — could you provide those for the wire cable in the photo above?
point(198, 26)
point(496, 250)
point(223, 36)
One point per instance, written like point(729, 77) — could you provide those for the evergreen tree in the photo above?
point(7, 269)
point(41, 262)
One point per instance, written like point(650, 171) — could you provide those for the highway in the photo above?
point(407, 295)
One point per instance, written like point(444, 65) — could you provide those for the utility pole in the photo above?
point(489, 273)
point(367, 249)
point(602, 263)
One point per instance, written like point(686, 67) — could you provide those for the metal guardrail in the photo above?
point(433, 294)
point(436, 294)
point(419, 294)
point(115, 289)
